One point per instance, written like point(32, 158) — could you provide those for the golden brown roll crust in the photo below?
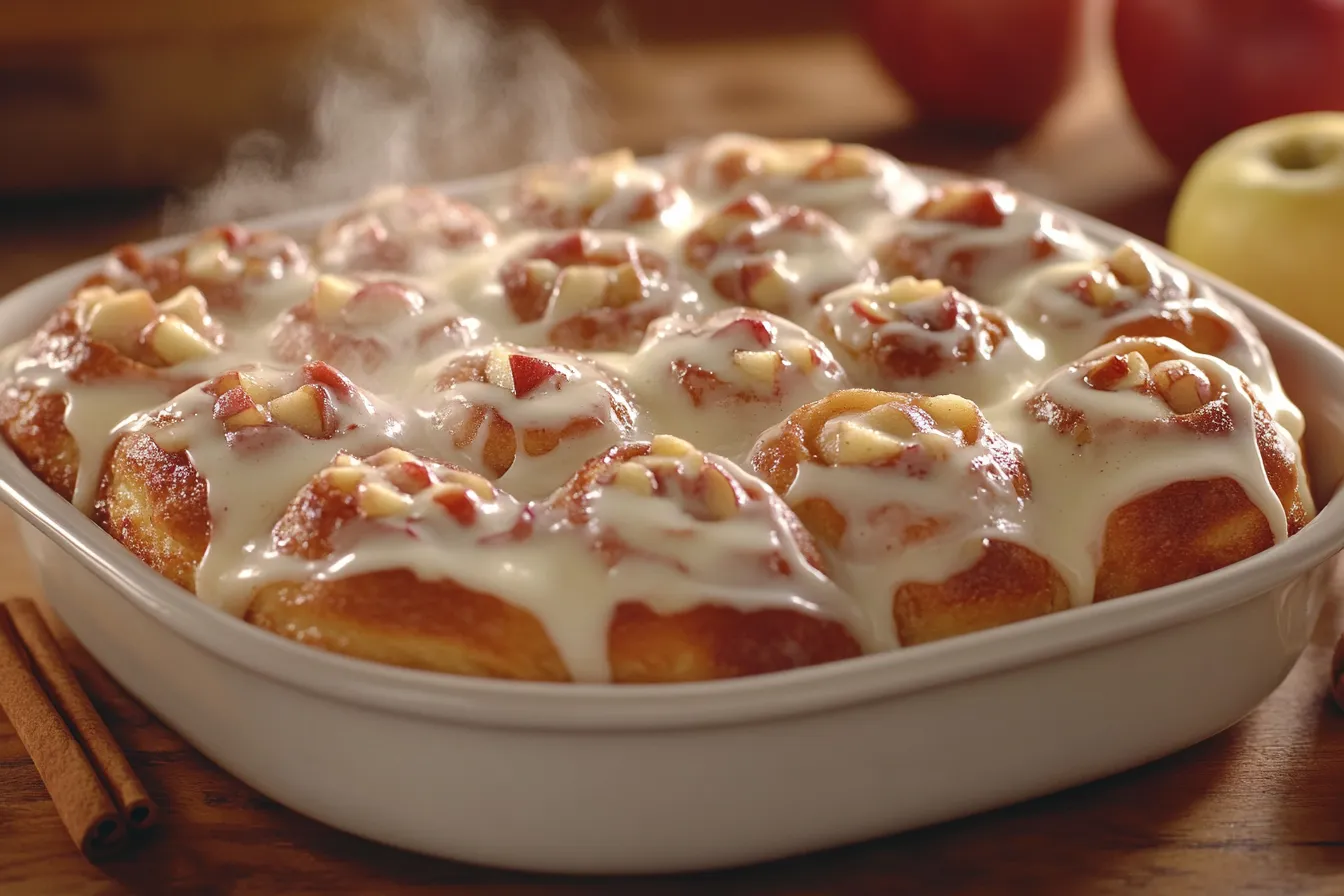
point(391, 616)
point(156, 504)
point(1178, 532)
point(33, 423)
point(1009, 583)
point(714, 641)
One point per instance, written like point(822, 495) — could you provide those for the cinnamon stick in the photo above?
point(56, 673)
point(85, 807)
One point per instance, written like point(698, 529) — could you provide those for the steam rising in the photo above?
point(427, 90)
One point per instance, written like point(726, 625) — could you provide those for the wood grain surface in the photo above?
point(1257, 809)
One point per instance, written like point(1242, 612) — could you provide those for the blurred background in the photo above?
point(124, 120)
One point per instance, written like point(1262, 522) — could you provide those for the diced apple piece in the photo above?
point(472, 482)
point(1129, 267)
point(177, 343)
point(1118, 372)
point(580, 288)
point(378, 501)
point(456, 500)
point(870, 311)
point(954, 412)
point(904, 290)
point(391, 456)
point(633, 477)
point(118, 320)
point(1095, 289)
point(969, 204)
point(842, 162)
point(756, 330)
point(890, 419)
point(1183, 386)
point(801, 355)
point(231, 402)
point(379, 304)
point(850, 443)
point(766, 287)
point(90, 296)
point(344, 478)
point(721, 497)
point(762, 365)
point(670, 446)
point(307, 410)
point(411, 476)
point(321, 373)
point(189, 305)
point(626, 287)
point(207, 258)
point(331, 294)
point(527, 373)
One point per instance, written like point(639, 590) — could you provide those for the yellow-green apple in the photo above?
point(1264, 208)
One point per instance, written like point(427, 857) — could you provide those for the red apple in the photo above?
point(996, 64)
point(1197, 70)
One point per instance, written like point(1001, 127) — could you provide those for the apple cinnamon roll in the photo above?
point(371, 326)
point(392, 558)
point(527, 417)
point(921, 503)
point(237, 269)
point(720, 380)
point(587, 291)
point(843, 180)
point(923, 336)
point(611, 191)
point(170, 488)
point(101, 357)
point(403, 229)
point(702, 572)
point(1081, 305)
point(779, 259)
point(975, 236)
point(1185, 469)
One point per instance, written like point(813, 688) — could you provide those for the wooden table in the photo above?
point(1258, 809)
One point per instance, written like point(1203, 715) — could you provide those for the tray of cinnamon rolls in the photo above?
point(753, 408)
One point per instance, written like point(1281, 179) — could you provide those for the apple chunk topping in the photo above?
point(1183, 386)
point(975, 205)
point(394, 483)
point(162, 334)
point(518, 373)
point(1118, 372)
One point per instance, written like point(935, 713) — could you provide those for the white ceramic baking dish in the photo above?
point(596, 778)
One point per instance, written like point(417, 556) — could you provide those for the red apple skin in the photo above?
point(999, 65)
point(756, 330)
point(528, 373)
point(1197, 70)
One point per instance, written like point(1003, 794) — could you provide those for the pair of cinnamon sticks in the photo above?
point(96, 792)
